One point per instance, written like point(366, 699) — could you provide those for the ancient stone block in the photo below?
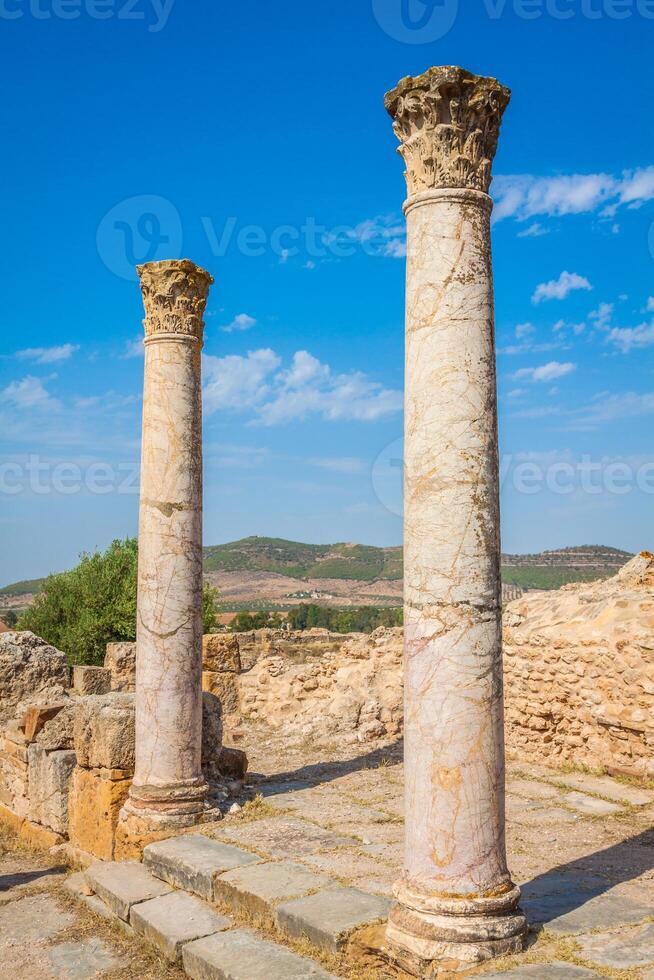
point(104, 732)
point(120, 659)
point(212, 734)
point(193, 861)
point(171, 921)
point(232, 763)
point(91, 680)
point(57, 732)
point(242, 955)
point(93, 808)
point(328, 918)
point(30, 671)
point(220, 653)
point(122, 885)
point(36, 716)
point(258, 888)
point(49, 780)
point(224, 686)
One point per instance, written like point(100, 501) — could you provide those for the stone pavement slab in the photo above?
point(241, 955)
point(329, 917)
point(572, 907)
point(83, 960)
point(260, 887)
point(532, 789)
point(285, 837)
point(30, 919)
point(192, 861)
point(612, 789)
point(121, 885)
point(620, 951)
point(591, 805)
point(173, 920)
point(544, 971)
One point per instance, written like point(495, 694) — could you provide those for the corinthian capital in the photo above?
point(174, 296)
point(447, 121)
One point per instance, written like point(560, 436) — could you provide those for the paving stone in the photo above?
point(81, 960)
point(241, 955)
point(121, 885)
point(573, 903)
point(192, 861)
point(259, 888)
point(328, 918)
point(285, 837)
point(544, 971)
point(591, 805)
point(621, 951)
point(610, 788)
point(28, 920)
point(173, 920)
point(532, 789)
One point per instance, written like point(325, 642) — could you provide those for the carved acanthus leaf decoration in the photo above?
point(174, 296)
point(447, 121)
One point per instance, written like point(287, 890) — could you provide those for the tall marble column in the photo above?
point(168, 790)
point(455, 904)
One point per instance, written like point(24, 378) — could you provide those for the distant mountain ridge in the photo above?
point(367, 563)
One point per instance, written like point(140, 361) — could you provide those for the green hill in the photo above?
point(545, 570)
point(297, 560)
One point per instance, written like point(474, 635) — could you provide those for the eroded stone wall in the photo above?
point(579, 673)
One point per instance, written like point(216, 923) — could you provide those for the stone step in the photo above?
point(297, 901)
point(242, 955)
point(328, 918)
point(122, 885)
point(171, 921)
point(192, 862)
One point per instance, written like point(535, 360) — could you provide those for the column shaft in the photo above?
point(456, 904)
point(168, 788)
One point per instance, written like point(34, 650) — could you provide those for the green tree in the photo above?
point(81, 611)
point(354, 619)
point(10, 617)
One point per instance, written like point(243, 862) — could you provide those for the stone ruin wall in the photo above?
point(67, 745)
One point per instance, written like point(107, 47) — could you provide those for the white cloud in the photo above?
point(546, 372)
point(242, 321)
point(30, 392)
point(610, 408)
point(307, 387)
point(533, 231)
point(631, 338)
point(133, 348)
point(235, 382)
point(560, 288)
point(47, 355)
point(601, 317)
point(650, 304)
point(344, 464)
point(524, 196)
point(524, 329)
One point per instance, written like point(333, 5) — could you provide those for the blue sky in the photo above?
point(252, 138)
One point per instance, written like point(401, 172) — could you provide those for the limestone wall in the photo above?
point(579, 673)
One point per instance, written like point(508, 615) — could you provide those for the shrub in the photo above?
point(81, 611)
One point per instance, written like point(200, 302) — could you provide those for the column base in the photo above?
point(427, 936)
point(156, 813)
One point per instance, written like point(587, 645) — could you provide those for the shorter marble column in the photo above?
point(169, 790)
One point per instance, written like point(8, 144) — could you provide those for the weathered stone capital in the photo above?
point(447, 121)
point(174, 296)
